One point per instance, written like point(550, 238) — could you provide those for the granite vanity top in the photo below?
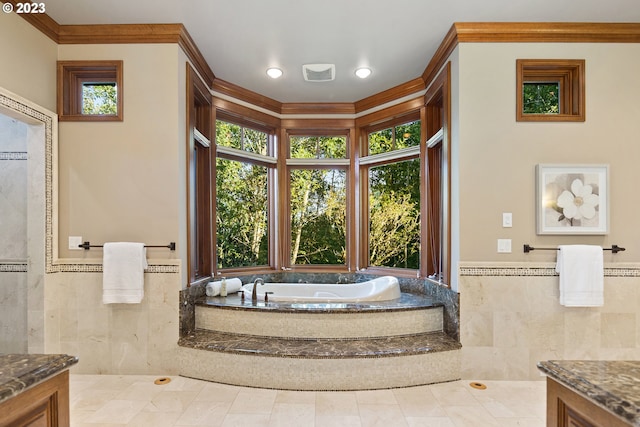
point(613, 385)
point(20, 371)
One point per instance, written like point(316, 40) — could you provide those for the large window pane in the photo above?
point(395, 138)
point(241, 138)
point(394, 215)
point(318, 216)
point(241, 214)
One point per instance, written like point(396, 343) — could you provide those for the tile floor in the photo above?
point(134, 400)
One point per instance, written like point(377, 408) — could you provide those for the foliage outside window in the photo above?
point(394, 196)
point(550, 90)
point(318, 216)
point(540, 98)
point(99, 99)
point(242, 202)
point(90, 91)
point(318, 147)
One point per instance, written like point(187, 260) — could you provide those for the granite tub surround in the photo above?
point(18, 372)
point(410, 287)
point(612, 385)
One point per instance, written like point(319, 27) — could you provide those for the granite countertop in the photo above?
point(21, 371)
point(613, 385)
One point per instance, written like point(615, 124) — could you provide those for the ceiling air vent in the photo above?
point(319, 72)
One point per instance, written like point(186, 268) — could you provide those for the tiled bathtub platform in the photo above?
point(321, 346)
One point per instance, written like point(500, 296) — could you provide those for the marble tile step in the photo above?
point(319, 348)
point(319, 364)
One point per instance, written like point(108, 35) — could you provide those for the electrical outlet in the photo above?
point(74, 243)
point(504, 246)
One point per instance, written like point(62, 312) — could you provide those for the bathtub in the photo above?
point(379, 289)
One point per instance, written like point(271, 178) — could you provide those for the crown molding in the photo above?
point(246, 95)
point(547, 32)
point(397, 92)
point(460, 32)
point(318, 108)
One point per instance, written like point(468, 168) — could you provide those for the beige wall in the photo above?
point(119, 181)
point(510, 314)
point(497, 155)
point(28, 61)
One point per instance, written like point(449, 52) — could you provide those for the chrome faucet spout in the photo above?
point(254, 294)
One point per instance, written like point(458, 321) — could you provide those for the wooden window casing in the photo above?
point(200, 192)
point(569, 74)
point(73, 75)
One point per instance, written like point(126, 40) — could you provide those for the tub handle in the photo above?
point(266, 296)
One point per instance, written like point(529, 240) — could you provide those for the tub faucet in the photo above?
point(254, 294)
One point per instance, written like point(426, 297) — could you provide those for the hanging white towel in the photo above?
point(581, 275)
point(123, 272)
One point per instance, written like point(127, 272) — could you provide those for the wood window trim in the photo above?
point(568, 73)
point(200, 175)
point(312, 128)
point(389, 117)
point(436, 117)
point(72, 75)
point(242, 116)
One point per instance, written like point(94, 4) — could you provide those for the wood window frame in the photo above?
point(200, 175)
point(570, 76)
point(311, 127)
point(246, 117)
point(437, 181)
point(402, 113)
point(73, 75)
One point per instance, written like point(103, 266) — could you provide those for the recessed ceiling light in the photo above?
point(274, 73)
point(363, 72)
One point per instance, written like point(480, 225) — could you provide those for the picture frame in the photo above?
point(572, 199)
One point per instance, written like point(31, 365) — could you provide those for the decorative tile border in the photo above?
point(537, 271)
point(48, 121)
point(13, 266)
point(13, 155)
point(97, 268)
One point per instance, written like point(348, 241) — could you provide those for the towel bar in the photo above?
point(614, 249)
point(171, 246)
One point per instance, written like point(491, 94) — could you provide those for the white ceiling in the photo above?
point(396, 39)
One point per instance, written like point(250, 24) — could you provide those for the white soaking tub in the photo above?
point(379, 289)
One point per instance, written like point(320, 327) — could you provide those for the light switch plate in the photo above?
point(507, 219)
point(74, 243)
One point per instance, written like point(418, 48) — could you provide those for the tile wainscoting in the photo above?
point(113, 338)
point(511, 318)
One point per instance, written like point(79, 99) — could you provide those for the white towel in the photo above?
point(581, 275)
point(123, 267)
point(213, 288)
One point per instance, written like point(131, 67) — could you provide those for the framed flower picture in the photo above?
point(572, 199)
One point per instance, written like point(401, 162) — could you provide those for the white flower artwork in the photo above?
point(572, 199)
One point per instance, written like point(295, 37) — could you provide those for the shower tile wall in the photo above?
point(13, 230)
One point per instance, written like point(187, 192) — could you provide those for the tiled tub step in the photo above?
point(320, 364)
point(410, 315)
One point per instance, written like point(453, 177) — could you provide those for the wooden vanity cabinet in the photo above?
point(44, 405)
point(566, 408)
